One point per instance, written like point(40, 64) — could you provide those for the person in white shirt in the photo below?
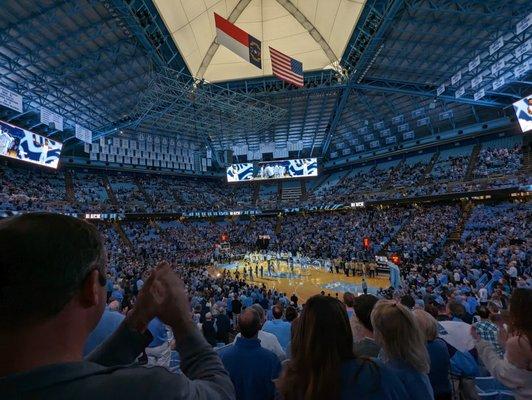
point(267, 340)
point(483, 294)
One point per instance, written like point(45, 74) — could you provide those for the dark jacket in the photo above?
point(105, 374)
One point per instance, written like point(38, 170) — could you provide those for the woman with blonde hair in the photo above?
point(403, 347)
point(440, 363)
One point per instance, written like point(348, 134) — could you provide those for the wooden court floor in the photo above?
point(310, 281)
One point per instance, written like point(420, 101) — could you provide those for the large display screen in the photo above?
point(523, 110)
point(284, 169)
point(27, 146)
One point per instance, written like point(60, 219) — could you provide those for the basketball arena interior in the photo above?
point(265, 199)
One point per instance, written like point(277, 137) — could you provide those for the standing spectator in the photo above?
point(251, 367)
point(364, 341)
point(222, 324)
point(236, 306)
point(487, 330)
point(403, 347)
point(52, 297)
point(278, 327)
point(440, 363)
point(267, 340)
point(323, 365)
point(349, 300)
point(207, 328)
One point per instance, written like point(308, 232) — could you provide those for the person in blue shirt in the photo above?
point(440, 362)
point(403, 347)
point(252, 368)
point(158, 351)
point(281, 329)
point(323, 365)
point(108, 324)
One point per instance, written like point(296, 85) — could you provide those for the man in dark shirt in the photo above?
point(365, 344)
point(52, 295)
point(236, 306)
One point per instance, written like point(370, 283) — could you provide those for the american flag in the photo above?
point(287, 68)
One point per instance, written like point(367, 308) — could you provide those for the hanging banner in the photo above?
point(476, 81)
point(83, 134)
point(480, 94)
point(10, 99)
point(497, 66)
point(474, 63)
point(48, 117)
point(459, 92)
point(456, 78)
point(398, 119)
point(497, 45)
point(523, 24)
point(440, 90)
point(497, 83)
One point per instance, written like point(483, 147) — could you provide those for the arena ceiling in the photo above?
point(315, 32)
point(92, 61)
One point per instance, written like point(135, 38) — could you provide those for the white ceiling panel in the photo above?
point(191, 23)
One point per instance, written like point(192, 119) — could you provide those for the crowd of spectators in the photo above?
point(28, 189)
point(499, 161)
point(430, 338)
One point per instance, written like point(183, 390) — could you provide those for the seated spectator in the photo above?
point(251, 367)
point(267, 339)
point(278, 327)
point(364, 341)
point(403, 347)
point(53, 296)
point(515, 370)
point(440, 362)
point(323, 365)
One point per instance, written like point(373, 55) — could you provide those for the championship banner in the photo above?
point(10, 99)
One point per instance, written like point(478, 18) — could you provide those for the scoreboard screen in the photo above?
point(267, 170)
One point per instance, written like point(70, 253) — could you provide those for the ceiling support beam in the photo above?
point(241, 6)
point(305, 23)
point(361, 67)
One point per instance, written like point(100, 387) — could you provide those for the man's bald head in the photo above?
point(249, 322)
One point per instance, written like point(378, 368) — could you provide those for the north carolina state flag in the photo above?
point(238, 41)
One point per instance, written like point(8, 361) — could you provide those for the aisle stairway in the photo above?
point(473, 159)
point(122, 234)
point(467, 208)
point(109, 190)
point(428, 168)
point(256, 193)
point(145, 194)
point(69, 187)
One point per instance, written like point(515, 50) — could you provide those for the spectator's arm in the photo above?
point(502, 370)
point(121, 348)
point(206, 377)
